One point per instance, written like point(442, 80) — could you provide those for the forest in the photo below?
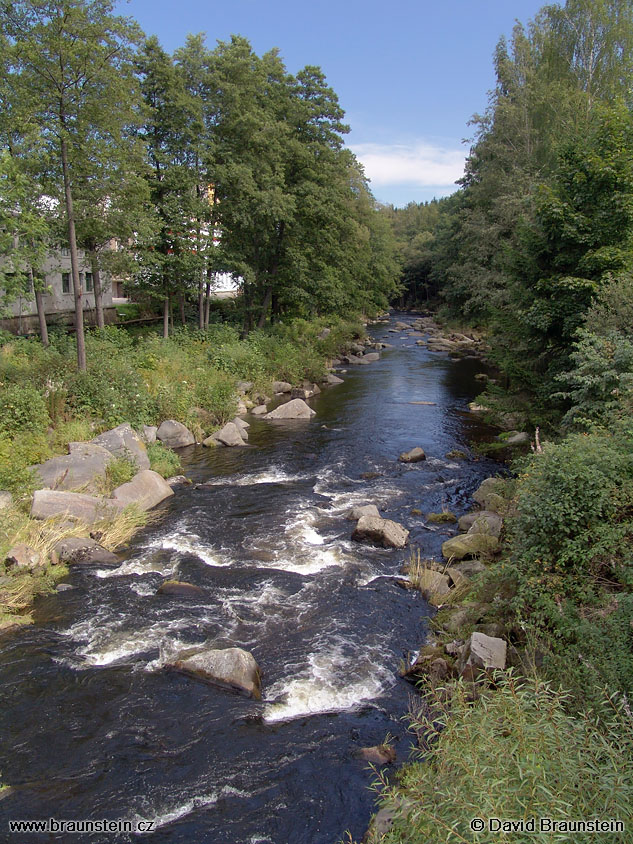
point(202, 162)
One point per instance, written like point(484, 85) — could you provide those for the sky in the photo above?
point(409, 73)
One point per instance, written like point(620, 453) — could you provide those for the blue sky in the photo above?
point(408, 74)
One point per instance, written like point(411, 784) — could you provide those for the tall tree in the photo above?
point(72, 63)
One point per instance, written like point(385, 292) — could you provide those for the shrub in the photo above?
point(118, 471)
point(14, 473)
point(515, 754)
point(22, 408)
point(163, 460)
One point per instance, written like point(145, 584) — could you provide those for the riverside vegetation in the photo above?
point(535, 252)
point(192, 377)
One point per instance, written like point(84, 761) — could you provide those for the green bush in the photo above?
point(113, 393)
point(515, 754)
point(22, 408)
point(163, 460)
point(14, 473)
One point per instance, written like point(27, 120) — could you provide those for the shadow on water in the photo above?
point(95, 727)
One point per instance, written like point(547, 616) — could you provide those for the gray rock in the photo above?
point(487, 522)
point(244, 386)
point(379, 754)
point(294, 409)
point(230, 435)
point(260, 410)
point(432, 584)
point(357, 513)
point(48, 503)
point(232, 667)
point(414, 456)
point(469, 568)
point(176, 480)
point(518, 438)
point(281, 387)
point(149, 433)
point(242, 407)
point(123, 441)
point(333, 379)
point(81, 469)
point(305, 392)
point(64, 587)
point(82, 550)
point(491, 494)
point(486, 651)
point(24, 557)
point(370, 357)
point(174, 434)
point(146, 490)
point(242, 424)
point(6, 499)
point(469, 545)
point(325, 333)
point(380, 531)
point(180, 589)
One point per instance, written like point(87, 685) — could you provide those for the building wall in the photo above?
point(57, 300)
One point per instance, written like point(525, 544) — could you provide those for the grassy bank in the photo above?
point(553, 736)
point(192, 377)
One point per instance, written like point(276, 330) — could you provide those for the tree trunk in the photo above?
point(181, 302)
point(171, 313)
point(98, 290)
point(201, 301)
point(261, 322)
point(207, 305)
point(39, 304)
point(166, 317)
point(74, 262)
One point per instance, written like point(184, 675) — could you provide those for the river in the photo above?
point(94, 727)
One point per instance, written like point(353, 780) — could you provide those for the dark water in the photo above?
point(94, 727)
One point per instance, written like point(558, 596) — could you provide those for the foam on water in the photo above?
point(272, 475)
point(193, 544)
point(165, 816)
point(325, 686)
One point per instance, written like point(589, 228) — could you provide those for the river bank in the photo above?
point(533, 647)
point(54, 434)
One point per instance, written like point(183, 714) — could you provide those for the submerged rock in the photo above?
point(232, 667)
point(180, 589)
point(333, 379)
point(415, 455)
point(380, 531)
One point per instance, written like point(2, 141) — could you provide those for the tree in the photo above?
point(71, 63)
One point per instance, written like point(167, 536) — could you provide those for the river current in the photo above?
point(94, 727)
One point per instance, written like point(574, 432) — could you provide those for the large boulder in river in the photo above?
point(81, 469)
point(491, 494)
point(380, 531)
point(357, 513)
point(469, 545)
point(414, 456)
point(174, 434)
point(48, 503)
point(231, 667)
point(370, 357)
point(295, 409)
point(123, 441)
point(146, 490)
point(230, 435)
point(333, 379)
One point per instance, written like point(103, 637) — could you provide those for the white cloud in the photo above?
point(416, 165)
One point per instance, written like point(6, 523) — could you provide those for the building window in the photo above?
point(65, 282)
point(89, 283)
point(65, 252)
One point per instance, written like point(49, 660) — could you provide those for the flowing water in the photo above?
point(94, 727)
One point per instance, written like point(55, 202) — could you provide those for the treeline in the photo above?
point(539, 235)
point(202, 162)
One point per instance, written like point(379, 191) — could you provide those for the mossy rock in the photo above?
point(416, 512)
point(441, 518)
point(469, 545)
point(456, 454)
